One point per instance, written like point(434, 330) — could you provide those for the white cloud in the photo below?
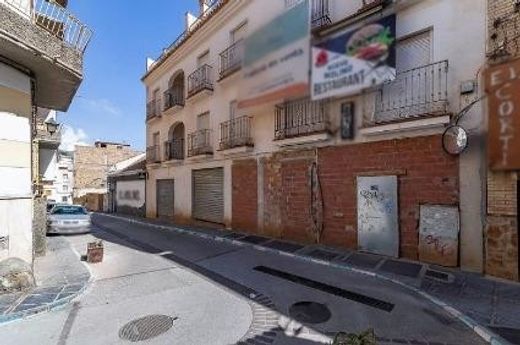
point(103, 105)
point(71, 137)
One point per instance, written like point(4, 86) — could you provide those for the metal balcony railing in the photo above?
point(415, 93)
point(200, 80)
point(231, 59)
point(212, 7)
point(174, 149)
point(153, 109)
point(199, 143)
point(320, 13)
point(153, 154)
point(54, 19)
point(173, 97)
point(299, 118)
point(236, 133)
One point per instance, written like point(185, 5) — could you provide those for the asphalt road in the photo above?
point(219, 293)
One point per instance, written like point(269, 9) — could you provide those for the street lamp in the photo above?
point(52, 126)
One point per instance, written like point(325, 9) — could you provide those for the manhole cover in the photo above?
point(309, 312)
point(146, 327)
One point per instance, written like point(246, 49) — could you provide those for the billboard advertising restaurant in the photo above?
point(349, 61)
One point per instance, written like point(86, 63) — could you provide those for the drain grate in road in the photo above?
point(363, 260)
point(321, 254)
point(283, 246)
point(234, 235)
point(437, 275)
point(333, 290)
point(254, 239)
point(407, 269)
point(145, 328)
point(310, 312)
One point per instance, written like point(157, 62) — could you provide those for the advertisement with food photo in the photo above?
point(353, 60)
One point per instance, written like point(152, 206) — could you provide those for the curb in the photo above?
point(61, 303)
point(482, 331)
point(55, 305)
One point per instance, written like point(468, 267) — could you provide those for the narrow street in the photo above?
point(212, 292)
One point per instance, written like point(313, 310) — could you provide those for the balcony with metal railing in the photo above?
point(416, 93)
point(212, 7)
point(153, 109)
point(301, 118)
point(153, 154)
point(200, 80)
point(231, 59)
point(199, 143)
point(55, 19)
point(47, 39)
point(320, 13)
point(174, 150)
point(236, 133)
point(173, 97)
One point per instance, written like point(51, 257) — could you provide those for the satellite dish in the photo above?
point(454, 140)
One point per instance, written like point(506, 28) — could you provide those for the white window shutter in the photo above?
point(414, 51)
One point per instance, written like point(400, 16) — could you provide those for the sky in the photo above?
point(110, 104)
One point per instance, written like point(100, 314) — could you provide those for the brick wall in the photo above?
point(502, 247)
point(91, 164)
point(427, 175)
point(501, 233)
point(502, 193)
point(244, 195)
point(503, 28)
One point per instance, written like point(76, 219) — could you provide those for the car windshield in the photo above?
point(69, 210)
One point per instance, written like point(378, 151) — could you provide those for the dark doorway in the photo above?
point(165, 198)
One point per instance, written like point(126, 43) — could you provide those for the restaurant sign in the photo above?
point(352, 60)
point(503, 91)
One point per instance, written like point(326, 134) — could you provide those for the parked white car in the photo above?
point(68, 219)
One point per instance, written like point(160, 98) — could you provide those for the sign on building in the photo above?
point(349, 61)
point(276, 58)
point(503, 90)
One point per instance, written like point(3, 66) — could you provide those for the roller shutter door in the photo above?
point(208, 195)
point(165, 198)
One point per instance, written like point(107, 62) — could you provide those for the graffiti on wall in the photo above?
point(378, 228)
point(439, 235)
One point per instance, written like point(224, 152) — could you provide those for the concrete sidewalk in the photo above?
point(487, 305)
point(60, 277)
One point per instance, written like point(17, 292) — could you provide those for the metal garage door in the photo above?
point(208, 195)
point(165, 197)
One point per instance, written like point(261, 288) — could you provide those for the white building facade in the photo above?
point(257, 168)
point(41, 60)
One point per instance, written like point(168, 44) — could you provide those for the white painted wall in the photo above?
point(23, 7)
point(130, 193)
point(15, 167)
point(458, 36)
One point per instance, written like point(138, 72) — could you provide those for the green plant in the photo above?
point(366, 338)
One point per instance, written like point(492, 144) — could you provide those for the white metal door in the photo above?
point(378, 226)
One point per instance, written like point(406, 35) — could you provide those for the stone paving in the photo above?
point(60, 277)
point(492, 303)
